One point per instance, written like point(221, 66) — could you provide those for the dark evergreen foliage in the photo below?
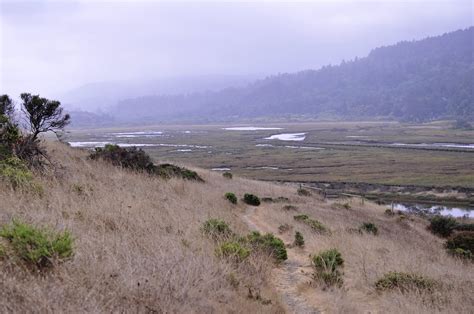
point(410, 81)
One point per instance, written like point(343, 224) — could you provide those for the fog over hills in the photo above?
point(411, 80)
point(100, 96)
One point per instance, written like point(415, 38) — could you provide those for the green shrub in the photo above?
point(268, 243)
point(216, 228)
point(138, 160)
point(405, 282)
point(464, 227)
point(327, 266)
point(233, 250)
point(168, 170)
point(299, 240)
point(462, 240)
point(284, 228)
point(303, 192)
point(231, 197)
point(443, 226)
point(301, 217)
point(227, 175)
point(290, 207)
point(461, 253)
point(369, 228)
point(2, 252)
point(251, 199)
point(314, 224)
point(16, 173)
point(131, 158)
point(37, 246)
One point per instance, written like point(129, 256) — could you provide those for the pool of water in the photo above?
point(287, 137)
point(434, 209)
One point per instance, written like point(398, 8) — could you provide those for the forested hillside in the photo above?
point(420, 80)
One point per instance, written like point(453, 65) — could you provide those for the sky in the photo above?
point(49, 47)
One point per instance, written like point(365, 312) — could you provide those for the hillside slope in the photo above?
point(413, 81)
point(139, 247)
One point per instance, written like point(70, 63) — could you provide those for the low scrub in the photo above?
point(138, 160)
point(405, 282)
point(303, 192)
point(168, 170)
point(284, 228)
point(227, 175)
point(279, 199)
point(290, 207)
point(233, 250)
point(15, 172)
point(251, 199)
point(314, 224)
point(443, 226)
point(327, 266)
point(39, 247)
point(231, 197)
point(216, 228)
point(267, 243)
point(461, 244)
point(299, 239)
point(369, 227)
point(131, 158)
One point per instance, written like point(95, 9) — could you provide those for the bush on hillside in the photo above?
point(369, 227)
point(216, 228)
point(303, 192)
point(299, 240)
point(460, 253)
point(138, 160)
point(233, 250)
point(231, 197)
point(15, 172)
point(443, 226)
point(464, 241)
point(251, 199)
point(39, 247)
point(464, 227)
point(284, 228)
point(290, 207)
point(131, 158)
point(327, 266)
point(227, 175)
point(268, 243)
point(314, 224)
point(168, 170)
point(405, 282)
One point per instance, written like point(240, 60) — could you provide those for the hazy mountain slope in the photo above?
point(418, 80)
point(101, 95)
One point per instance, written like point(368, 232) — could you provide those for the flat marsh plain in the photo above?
point(368, 152)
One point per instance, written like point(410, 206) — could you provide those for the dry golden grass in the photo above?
point(401, 245)
point(138, 247)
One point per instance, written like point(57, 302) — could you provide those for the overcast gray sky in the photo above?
point(49, 47)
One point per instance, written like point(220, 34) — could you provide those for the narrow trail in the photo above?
point(290, 275)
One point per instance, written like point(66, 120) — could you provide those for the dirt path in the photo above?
point(291, 275)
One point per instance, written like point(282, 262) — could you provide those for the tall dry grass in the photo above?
point(138, 248)
point(138, 245)
point(403, 245)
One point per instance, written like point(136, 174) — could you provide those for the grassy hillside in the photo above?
point(138, 246)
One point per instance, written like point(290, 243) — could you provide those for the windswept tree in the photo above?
point(9, 132)
point(43, 115)
point(7, 109)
